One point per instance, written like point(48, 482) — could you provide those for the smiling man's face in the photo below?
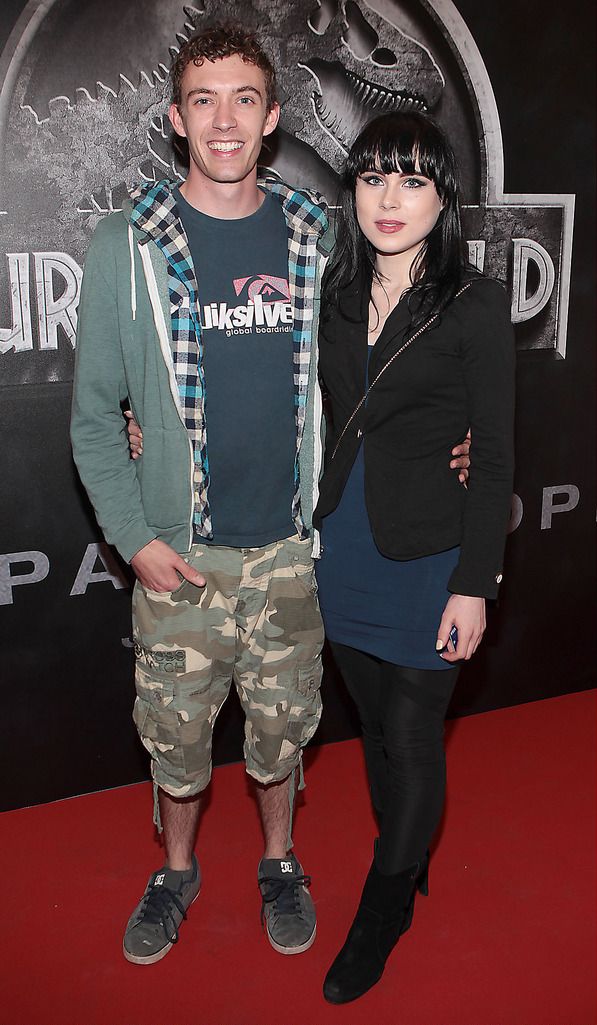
point(223, 116)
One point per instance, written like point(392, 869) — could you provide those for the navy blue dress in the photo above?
point(388, 608)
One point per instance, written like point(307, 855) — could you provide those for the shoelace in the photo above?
point(283, 891)
point(158, 908)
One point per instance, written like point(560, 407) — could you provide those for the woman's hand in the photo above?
point(468, 616)
point(135, 435)
point(462, 460)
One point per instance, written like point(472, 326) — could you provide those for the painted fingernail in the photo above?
point(439, 645)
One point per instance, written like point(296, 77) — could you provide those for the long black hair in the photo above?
point(403, 143)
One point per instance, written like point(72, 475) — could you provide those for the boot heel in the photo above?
point(423, 881)
point(408, 917)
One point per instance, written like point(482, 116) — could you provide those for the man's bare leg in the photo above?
point(287, 909)
point(153, 927)
point(274, 808)
point(180, 817)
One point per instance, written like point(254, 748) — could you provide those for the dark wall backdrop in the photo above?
point(66, 658)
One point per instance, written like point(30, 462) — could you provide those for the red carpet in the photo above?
point(506, 936)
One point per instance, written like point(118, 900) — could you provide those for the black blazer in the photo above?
point(458, 373)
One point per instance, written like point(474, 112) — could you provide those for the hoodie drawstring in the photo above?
point(133, 285)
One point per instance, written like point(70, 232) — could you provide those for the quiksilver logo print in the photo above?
point(267, 308)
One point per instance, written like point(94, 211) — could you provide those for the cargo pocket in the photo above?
point(300, 560)
point(303, 619)
point(155, 717)
point(305, 704)
point(309, 678)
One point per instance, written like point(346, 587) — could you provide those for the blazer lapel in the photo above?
point(351, 326)
point(395, 332)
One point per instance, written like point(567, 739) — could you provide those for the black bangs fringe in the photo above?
point(403, 144)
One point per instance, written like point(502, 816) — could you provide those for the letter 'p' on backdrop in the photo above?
point(83, 99)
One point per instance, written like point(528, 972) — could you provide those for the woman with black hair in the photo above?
point(415, 348)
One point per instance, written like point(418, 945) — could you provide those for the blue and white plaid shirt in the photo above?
point(155, 214)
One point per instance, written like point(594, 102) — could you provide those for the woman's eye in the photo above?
point(372, 179)
point(414, 183)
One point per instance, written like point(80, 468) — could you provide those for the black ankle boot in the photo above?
point(384, 914)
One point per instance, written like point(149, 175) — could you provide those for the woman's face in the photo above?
point(396, 212)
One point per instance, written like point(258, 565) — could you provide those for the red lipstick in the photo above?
point(389, 227)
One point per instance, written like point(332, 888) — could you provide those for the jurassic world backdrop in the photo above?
point(83, 99)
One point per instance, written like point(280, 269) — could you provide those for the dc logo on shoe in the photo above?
point(286, 866)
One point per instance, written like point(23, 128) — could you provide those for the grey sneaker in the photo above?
point(153, 926)
point(287, 911)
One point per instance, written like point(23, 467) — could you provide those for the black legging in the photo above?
point(402, 714)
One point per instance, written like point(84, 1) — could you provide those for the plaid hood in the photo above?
point(153, 215)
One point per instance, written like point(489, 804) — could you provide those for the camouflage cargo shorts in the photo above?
point(256, 622)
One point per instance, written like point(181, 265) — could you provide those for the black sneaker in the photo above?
point(153, 926)
point(287, 911)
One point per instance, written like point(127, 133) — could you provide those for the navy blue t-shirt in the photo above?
point(246, 318)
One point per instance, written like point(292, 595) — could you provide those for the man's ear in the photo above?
point(272, 119)
point(176, 120)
